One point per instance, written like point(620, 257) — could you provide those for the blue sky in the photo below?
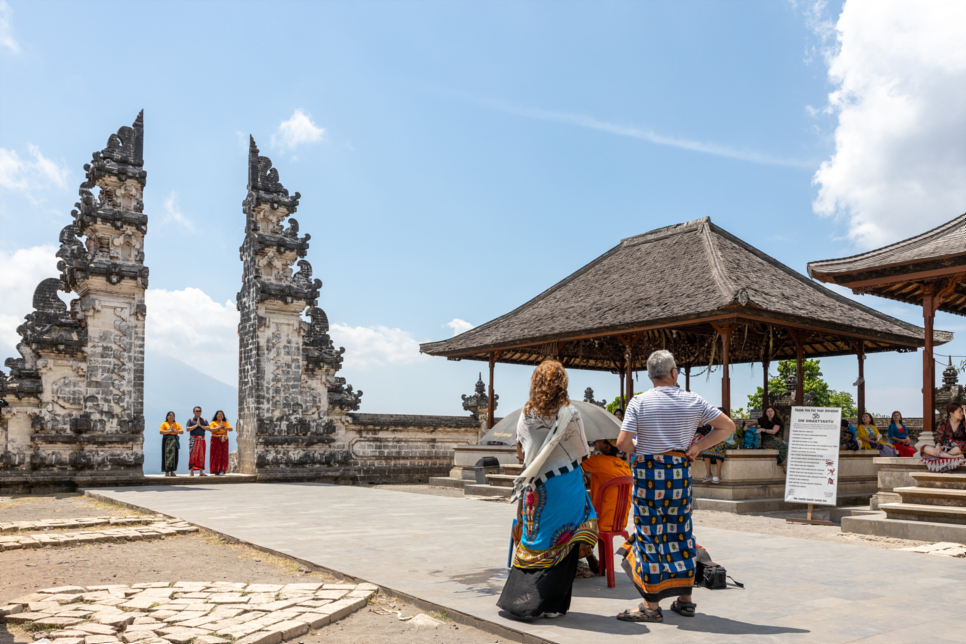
point(456, 159)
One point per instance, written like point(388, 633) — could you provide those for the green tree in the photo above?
point(824, 396)
point(615, 404)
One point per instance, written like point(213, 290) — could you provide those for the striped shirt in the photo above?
point(664, 419)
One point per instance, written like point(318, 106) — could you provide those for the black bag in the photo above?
point(709, 574)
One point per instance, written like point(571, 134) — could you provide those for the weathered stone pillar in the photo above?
point(291, 405)
point(75, 399)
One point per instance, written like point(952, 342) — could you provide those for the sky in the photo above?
point(457, 159)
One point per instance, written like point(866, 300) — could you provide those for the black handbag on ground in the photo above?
point(709, 574)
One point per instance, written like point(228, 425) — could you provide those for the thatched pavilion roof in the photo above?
point(900, 270)
point(670, 288)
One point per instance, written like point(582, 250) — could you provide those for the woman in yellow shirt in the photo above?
point(218, 461)
point(869, 437)
point(170, 445)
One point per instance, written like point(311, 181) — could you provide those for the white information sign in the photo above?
point(813, 455)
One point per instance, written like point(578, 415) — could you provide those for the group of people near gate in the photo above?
point(556, 520)
point(198, 428)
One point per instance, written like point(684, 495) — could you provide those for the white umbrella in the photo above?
point(599, 424)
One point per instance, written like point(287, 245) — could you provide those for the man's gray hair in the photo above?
point(660, 364)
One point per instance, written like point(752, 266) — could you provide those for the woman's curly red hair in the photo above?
point(548, 390)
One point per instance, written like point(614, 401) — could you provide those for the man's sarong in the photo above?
point(218, 461)
point(169, 453)
point(196, 460)
point(659, 556)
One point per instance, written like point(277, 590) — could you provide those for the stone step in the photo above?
point(501, 480)
point(487, 490)
point(515, 470)
point(919, 512)
point(942, 480)
point(932, 496)
point(878, 525)
point(447, 481)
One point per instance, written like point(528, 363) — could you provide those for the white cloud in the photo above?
point(7, 40)
point(297, 130)
point(459, 326)
point(32, 177)
point(376, 346)
point(191, 327)
point(173, 214)
point(898, 71)
point(20, 273)
point(593, 123)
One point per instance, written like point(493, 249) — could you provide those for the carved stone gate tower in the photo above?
point(291, 405)
point(73, 404)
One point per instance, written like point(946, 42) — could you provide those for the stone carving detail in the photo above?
point(292, 407)
point(478, 403)
point(589, 398)
point(73, 402)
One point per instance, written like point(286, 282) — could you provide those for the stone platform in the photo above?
point(753, 482)
point(934, 509)
point(446, 553)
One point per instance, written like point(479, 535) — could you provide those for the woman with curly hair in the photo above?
point(554, 514)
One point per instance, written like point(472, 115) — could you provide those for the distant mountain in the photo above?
point(172, 385)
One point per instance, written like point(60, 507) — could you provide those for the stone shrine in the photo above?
point(72, 406)
point(291, 405)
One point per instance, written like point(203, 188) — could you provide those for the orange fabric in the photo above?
point(168, 428)
point(220, 428)
point(602, 469)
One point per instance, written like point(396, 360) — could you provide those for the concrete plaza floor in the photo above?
point(452, 552)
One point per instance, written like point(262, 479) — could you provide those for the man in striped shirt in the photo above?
point(660, 556)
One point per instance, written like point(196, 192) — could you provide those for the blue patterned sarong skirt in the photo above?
point(659, 556)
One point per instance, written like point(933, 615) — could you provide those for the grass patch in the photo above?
point(441, 616)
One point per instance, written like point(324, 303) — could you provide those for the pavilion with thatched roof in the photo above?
point(696, 290)
point(927, 270)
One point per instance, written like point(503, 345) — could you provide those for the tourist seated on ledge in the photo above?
point(716, 454)
point(869, 437)
point(950, 435)
point(847, 437)
point(899, 436)
point(771, 429)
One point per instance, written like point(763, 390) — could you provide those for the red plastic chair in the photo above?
point(605, 540)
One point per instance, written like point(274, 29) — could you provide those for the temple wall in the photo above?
point(402, 448)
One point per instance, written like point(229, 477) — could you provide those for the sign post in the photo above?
point(813, 459)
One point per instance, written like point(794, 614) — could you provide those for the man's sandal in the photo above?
point(642, 614)
point(683, 608)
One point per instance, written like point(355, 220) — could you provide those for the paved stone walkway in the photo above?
point(185, 611)
point(453, 552)
point(132, 531)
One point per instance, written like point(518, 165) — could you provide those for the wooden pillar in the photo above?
point(800, 368)
point(725, 333)
point(621, 373)
point(928, 364)
point(860, 351)
point(629, 359)
point(687, 378)
point(490, 405)
point(764, 396)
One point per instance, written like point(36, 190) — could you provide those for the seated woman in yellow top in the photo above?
point(218, 461)
point(170, 445)
point(869, 437)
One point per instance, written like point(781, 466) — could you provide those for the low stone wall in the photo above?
point(755, 474)
point(399, 448)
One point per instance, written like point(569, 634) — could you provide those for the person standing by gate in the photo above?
point(196, 426)
point(218, 462)
point(659, 556)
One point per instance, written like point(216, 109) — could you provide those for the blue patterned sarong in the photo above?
point(659, 556)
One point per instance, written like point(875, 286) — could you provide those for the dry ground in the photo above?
point(196, 557)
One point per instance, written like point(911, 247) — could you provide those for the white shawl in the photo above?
point(561, 451)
